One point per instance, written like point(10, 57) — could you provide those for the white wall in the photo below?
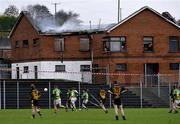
point(46, 70)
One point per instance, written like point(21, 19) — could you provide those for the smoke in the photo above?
point(50, 25)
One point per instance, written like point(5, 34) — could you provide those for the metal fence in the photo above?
point(145, 90)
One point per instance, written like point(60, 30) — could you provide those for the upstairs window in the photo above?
point(121, 67)
point(26, 69)
point(84, 44)
point(25, 43)
point(59, 44)
point(85, 68)
point(17, 44)
point(59, 68)
point(174, 66)
point(174, 44)
point(148, 44)
point(35, 42)
point(115, 44)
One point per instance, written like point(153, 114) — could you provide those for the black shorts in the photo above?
point(34, 103)
point(117, 101)
point(102, 101)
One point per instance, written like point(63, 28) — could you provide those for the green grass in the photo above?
point(92, 116)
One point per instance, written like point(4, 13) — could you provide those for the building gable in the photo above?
point(146, 8)
point(27, 20)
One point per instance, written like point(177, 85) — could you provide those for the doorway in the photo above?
point(151, 71)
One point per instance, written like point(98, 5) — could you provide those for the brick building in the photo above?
point(143, 43)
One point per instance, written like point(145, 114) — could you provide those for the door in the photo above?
point(151, 71)
point(35, 72)
point(17, 73)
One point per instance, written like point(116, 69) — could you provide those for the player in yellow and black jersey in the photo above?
point(35, 95)
point(102, 99)
point(117, 91)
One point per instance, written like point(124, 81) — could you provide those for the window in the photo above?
point(174, 66)
point(59, 44)
point(25, 43)
point(59, 68)
point(26, 69)
point(173, 44)
point(115, 44)
point(17, 45)
point(85, 68)
point(35, 42)
point(121, 67)
point(84, 44)
point(148, 44)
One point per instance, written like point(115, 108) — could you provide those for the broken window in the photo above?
point(115, 44)
point(17, 45)
point(35, 42)
point(84, 44)
point(59, 44)
point(25, 43)
point(148, 44)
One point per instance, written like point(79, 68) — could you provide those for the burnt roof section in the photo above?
point(81, 29)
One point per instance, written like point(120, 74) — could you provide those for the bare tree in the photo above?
point(11, 11)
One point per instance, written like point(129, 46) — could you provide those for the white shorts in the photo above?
point(73, 100)
point(177, 101)
point(85, 101)
point(57, 102)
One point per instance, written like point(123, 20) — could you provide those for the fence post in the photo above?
point(159, 85)
point(17, 95)
point(110, 96)
point(4, 92)
point(141, 92)
point(169, 96)
point(79, 90)
point(49, 95)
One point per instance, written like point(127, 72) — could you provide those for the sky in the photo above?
point(99, 11)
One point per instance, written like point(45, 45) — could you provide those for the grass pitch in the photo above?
point(92, 116)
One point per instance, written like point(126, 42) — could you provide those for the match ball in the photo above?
point(45, 89)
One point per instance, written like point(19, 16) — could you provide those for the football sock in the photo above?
point(116, 117)
point(123, 117)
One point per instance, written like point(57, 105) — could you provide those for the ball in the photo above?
point(45, 89)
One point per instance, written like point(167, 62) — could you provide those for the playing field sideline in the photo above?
point(92, 116)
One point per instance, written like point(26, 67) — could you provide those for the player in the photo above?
point(172, 96)
point(35, 95)
point(73, 98)
point(117, 91)
point(56, 93)
point(84, 97)
point(102, 98)
point(177, 98)
point(68, 101)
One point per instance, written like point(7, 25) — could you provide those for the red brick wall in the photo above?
point(143, 24)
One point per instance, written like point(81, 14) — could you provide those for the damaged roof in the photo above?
point(80, 29)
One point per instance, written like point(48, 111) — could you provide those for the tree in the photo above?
point(7, 22)
point(11, 11)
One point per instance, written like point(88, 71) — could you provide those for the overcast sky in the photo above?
point(94, 10)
